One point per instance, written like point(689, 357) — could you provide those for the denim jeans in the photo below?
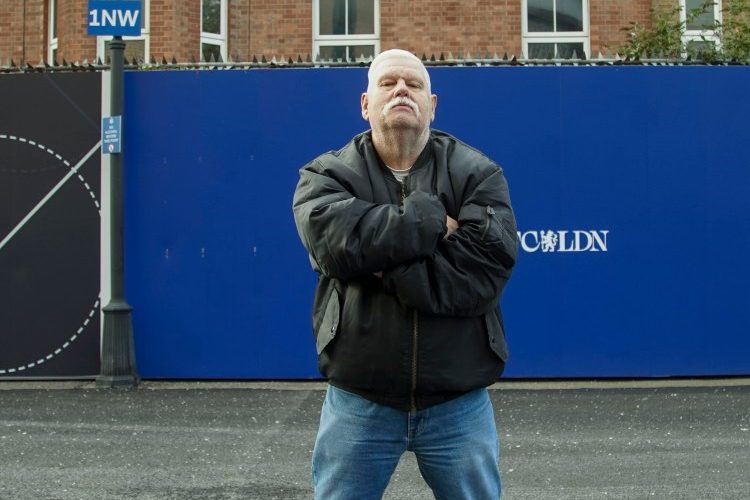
point(359, 444)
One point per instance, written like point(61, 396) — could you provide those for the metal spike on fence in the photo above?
point(65, 63)
point(163, 60)
point(432, 57)
point(299, 59)
point(309, 59)
point(442, 56)
point(263, 59)
point(174, 61)
point(255, 59)
point(424, 57)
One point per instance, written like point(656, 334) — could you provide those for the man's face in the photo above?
point(398, 96)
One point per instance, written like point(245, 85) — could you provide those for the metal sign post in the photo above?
point(118, 369)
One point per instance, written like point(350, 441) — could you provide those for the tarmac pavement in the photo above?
point(563, 440)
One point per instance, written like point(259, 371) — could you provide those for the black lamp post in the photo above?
point(117, 354)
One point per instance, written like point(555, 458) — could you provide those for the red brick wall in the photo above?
point(23, 31)
point(608, 17)
point(73, 44)
point(274, 27)
point(451, 26)
point(283, 28)
point(175, 30)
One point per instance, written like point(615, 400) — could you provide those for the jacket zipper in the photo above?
point(490, 216)
point(414, 346)
point(414, 336)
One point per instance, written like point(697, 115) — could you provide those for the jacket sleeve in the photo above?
point(348, 237)
point(468, 270)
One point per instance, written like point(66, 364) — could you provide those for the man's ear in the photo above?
point(363, 103)
point(433, 98)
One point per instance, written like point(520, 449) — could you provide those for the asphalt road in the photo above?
point(182, 441)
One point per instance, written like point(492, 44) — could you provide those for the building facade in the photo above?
point(193, 30)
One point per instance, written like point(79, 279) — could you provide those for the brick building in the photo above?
point(35, 30)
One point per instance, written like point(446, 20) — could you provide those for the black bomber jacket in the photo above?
point(402, 316)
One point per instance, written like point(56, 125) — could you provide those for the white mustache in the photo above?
point(399, 101)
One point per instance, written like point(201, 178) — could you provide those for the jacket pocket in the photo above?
point(330, 323)
point(489, 222)
point(496, 334)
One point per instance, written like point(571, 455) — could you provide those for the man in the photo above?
point(413, 237)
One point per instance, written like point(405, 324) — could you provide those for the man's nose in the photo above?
point(401, 88)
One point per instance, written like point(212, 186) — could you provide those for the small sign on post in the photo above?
point(114, 17)
point(111, 134)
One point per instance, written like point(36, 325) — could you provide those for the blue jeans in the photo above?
point(359, 444)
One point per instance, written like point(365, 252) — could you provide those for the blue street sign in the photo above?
point(111, 134)
point(114, 17)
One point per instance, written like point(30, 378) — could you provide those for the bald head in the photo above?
point(390, 55)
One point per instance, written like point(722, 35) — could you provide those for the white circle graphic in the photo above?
point(95, 307)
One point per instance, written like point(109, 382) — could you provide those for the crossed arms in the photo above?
point(430, 261)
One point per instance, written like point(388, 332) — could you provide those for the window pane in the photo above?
point(53, 14)
point(361, 17)
point(541, 50)
point(699, 49)
point(569, 15)
point(134, 49)
point(211, 20)
point(698, 19)
point(357, 51)
point(209, 50)
point(565, 50)
point(332, 17)
point(333, 52)
point(540, 15)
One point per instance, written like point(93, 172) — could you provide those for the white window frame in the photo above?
point(555, 36)
point(51, 41)
point(220, 39)
point(338, 40)
point(699, 35)
point(145, 31)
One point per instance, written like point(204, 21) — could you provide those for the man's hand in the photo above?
point(452, 226)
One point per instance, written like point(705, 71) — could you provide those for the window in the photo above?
point(136, 47)
point(346, 29)
point(213, 30)
point(555, 29)
point(52, 32)
point(700, 18)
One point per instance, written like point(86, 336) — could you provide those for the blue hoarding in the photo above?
point(628, 184)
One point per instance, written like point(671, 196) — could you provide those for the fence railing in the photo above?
point(450, 59)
